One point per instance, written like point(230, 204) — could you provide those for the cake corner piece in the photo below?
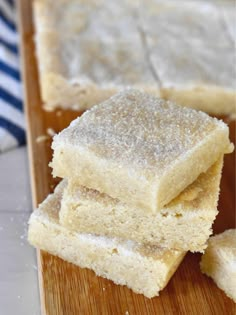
point(219, 261)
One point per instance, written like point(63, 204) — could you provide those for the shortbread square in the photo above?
point(139, 149)
point(183, 224)
point(144, 269)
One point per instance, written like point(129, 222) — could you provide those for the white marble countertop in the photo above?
point(18, 267)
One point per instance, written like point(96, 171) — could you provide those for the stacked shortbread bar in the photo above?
point(140, 188)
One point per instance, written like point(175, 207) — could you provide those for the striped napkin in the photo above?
point(12, 123)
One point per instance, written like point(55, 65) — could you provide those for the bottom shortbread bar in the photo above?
point(219, 261)
point(144, 269)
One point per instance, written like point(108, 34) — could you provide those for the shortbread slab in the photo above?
point(90, 50)
point(139, 149)
point(144, 269)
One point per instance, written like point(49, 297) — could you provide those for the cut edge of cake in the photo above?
point(219, 261)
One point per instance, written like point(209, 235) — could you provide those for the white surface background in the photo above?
point(18, 267)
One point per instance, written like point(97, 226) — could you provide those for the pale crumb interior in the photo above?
point(219, 261)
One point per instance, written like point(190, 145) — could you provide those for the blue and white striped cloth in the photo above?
point(12, 123)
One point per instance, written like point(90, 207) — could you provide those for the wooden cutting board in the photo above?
point(67, 289)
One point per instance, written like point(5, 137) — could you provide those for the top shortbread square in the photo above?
point(139, 149)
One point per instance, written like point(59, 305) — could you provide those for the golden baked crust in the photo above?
point(144, 269)
point(139, 149)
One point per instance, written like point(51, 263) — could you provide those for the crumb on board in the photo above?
point(42, 138)
point(51, 132)
point(48, 108)
point(230, 118)
point(127, 313)
point(104, 289)
point(59, 113)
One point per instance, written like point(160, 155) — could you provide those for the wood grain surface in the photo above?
point(67, 289)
